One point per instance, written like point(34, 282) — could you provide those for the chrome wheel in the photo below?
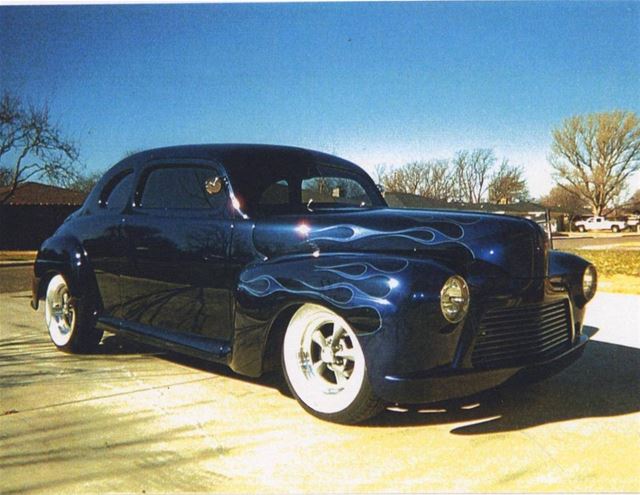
point(323, 360)
point(60, 315)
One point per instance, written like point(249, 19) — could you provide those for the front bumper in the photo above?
point(448, 383)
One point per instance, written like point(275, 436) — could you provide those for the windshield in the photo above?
point(281, 188)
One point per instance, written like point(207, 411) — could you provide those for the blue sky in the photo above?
point(372, 82)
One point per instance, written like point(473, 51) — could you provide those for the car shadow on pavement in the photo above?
point(114, 344)
point(117, 345)
point(604, 382)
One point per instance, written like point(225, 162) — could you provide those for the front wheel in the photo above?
point(325, 367)
point(581, 228)
point(70, 322)
point(615, 228)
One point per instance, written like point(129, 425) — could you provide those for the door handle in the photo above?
point(212, 257)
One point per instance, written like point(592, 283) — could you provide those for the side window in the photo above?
point(276, 194)
point(327, 189)
point(181, 188)
point(117, 192)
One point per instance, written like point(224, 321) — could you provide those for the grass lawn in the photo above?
point(618, 268)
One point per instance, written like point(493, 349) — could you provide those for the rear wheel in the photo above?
point(325, 367)
point(70, 321)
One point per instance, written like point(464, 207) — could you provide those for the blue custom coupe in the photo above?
point(263, 257)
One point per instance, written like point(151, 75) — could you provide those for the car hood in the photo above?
point(466, 242)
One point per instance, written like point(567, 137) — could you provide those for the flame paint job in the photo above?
point(342, 282)
point(514, 246)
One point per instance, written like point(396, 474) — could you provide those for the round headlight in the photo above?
point(454, 299)
point(589, 282)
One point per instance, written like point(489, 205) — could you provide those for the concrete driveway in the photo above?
point(132, 420)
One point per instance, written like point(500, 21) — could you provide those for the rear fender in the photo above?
point(66, 256)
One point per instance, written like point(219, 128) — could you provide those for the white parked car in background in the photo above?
point(600, 223)
point(633, 223)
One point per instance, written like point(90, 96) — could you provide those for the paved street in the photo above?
point(129, 419)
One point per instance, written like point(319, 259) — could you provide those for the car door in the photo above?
point(104, 241)
point(178, 234)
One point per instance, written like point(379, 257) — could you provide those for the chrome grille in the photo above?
point(521, 335)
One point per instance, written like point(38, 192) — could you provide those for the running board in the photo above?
point(194, 345)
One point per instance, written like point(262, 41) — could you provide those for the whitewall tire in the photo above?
point(325, 367)
point(70, 323)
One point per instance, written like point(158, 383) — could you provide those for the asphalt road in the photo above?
point(129, 419)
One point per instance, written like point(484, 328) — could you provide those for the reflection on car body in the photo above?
point(265, 256)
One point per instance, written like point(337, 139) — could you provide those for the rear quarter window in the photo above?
point(117, 192)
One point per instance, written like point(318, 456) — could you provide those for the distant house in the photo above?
point(33, 213)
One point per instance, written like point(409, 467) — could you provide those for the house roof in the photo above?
point(34, 193)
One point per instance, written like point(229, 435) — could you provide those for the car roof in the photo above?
point(239, 160)
point(235, 157)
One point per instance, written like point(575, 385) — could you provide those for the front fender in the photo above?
point(566, 271)
point(375, 294)
point(62, 255)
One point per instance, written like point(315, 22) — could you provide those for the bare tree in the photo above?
point(381, 171)
point(568, 202)
point(634, 201)
point(594, 155)
point(413, 177)
point(472, 170)
point(468, 177)
point(508, 184)
point(437, 180)
point(32, 147)
point(405, 179)
point(431, 179)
